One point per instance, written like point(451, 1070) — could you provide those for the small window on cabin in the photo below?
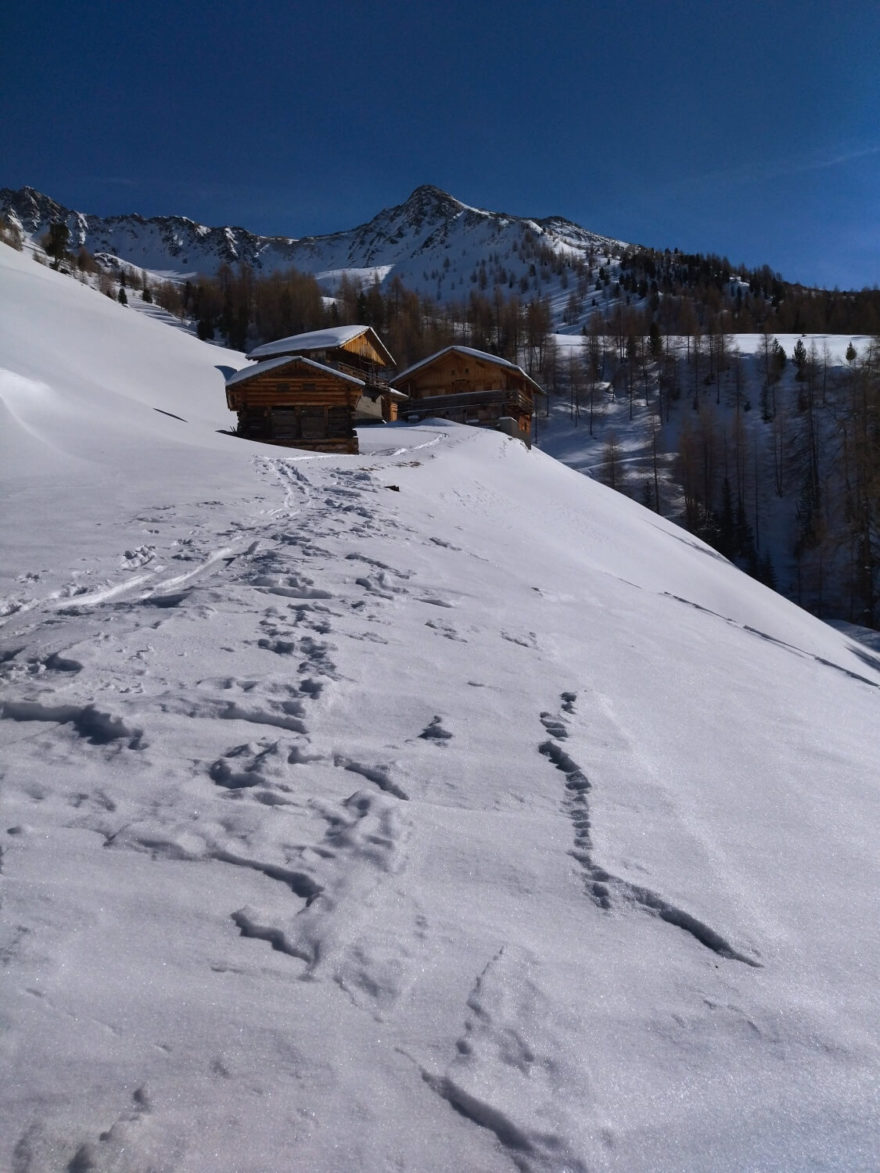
point(283, 388)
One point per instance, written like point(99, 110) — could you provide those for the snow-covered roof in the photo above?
point(393, 393)
point(471, 353)
point(330, 339)
point(288, 360)
point(259, 369)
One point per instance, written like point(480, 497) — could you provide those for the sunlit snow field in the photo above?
point(434, 808)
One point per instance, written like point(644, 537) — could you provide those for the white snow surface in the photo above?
point(490, 823)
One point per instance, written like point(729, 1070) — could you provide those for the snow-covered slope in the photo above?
point(434, 243)
point(429, 809)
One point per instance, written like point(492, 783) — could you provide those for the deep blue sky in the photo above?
point(747, 128)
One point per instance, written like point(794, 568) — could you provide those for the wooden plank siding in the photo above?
point(319, 429)
point(462, 386)
point(269, 389)
point(498, 401)
point(314, 411)
point(309, 390)
point(363, 347)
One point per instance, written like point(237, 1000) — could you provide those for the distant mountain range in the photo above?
point(434, 243)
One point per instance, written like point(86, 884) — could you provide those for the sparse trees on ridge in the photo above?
point(56, 242)
point(10, 234)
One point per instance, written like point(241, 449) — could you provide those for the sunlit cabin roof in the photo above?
point(298, 360)
point(334, 338)
point(262, 368)
point(468, 352)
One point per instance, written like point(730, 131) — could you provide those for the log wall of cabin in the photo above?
point(485, 410)
point(457, 374)
point(364, 349)
point(302, 412)
point(279, 389)
point(453, 374)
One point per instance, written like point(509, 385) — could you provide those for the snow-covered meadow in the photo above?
point(430, 809)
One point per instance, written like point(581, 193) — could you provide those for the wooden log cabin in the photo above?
point(311, 390)
point(471, 387)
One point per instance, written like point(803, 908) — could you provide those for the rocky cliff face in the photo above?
point(164, 243)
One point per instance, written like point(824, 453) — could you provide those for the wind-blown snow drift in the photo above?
point(490, 822)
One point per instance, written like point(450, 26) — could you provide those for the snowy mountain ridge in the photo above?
point(435, 243)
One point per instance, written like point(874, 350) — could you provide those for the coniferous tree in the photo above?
point(610, 473)
point(55, 242)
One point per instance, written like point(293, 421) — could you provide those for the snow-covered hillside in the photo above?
point(652, 433)
point(434, 808)
point(433, 242)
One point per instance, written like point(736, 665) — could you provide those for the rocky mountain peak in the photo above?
point(32, 208)
point(435, 244)
point(430, 204)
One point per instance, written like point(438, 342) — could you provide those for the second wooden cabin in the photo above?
point(471, 387)
point(310, 390)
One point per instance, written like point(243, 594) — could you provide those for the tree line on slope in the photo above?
point(636, 292)
point(686, 291)
point(775, 457)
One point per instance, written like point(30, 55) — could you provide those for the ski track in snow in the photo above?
point(514, 1072)
point(601, 886)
